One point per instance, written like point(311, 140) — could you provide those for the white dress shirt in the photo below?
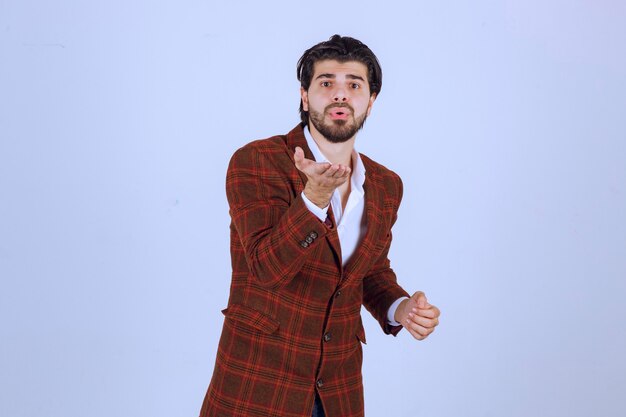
point(351, 222)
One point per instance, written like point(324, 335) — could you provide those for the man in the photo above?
point(310, 233)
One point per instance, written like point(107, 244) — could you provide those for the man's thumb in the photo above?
point(420, 299)
point(298, 156)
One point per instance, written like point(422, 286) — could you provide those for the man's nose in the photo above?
point(340, 95)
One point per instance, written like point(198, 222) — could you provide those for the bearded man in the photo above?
point(310, 237)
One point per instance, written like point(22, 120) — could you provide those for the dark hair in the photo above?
point(342, 49)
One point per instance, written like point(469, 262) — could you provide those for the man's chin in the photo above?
point(336, 130)
point(339, 138)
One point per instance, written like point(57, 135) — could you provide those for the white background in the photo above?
point(505, 120)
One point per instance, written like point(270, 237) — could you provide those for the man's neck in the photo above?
point(337, 153)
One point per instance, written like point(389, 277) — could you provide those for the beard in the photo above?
point(338, 131)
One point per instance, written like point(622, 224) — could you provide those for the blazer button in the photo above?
point(338, 293)
point(304, 244)
point(327, 337)
point(313, 235)
point(319, 383)
point(308, 239)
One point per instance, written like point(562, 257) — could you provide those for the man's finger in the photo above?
point(429, 323)
point(341, 171)
point(416, 328)
point(416, 335)
point(308, 166)
point(413, 333)
point(345, 172)
point(320, 168)
point(431, 313)
point(420, 299)
point(299, 153)
point(298, 157)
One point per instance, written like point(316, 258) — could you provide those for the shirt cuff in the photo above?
point(391, 313)
point(321, 213)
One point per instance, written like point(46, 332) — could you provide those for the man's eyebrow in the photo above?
point(354, 77)
point(350, 76)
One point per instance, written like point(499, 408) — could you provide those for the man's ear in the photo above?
point(304, 95)
point(371, 103)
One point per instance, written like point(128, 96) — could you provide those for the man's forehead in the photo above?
point(332, 66)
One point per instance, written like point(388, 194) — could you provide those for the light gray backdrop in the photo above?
point(504, 118)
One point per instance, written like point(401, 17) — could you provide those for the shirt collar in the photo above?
point(358, 169)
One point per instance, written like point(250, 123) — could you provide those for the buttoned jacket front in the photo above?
point(293, 324)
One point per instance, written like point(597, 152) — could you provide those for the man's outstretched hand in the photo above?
point(323, 178)
point(418, 316)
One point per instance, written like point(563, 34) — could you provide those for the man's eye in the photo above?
point(325, 83)
point(355, 86)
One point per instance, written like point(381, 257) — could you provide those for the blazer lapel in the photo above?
point(362, 258)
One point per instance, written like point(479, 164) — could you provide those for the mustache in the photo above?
point(339, 105)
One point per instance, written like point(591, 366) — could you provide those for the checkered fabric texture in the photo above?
point(293, 325)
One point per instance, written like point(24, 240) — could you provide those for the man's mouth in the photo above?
point(339, 113)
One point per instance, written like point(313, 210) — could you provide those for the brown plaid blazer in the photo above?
point(293, 322)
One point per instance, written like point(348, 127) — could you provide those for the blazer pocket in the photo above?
point(248, 316)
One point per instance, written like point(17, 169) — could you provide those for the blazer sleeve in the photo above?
point(380, 286)
point(276, 229)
